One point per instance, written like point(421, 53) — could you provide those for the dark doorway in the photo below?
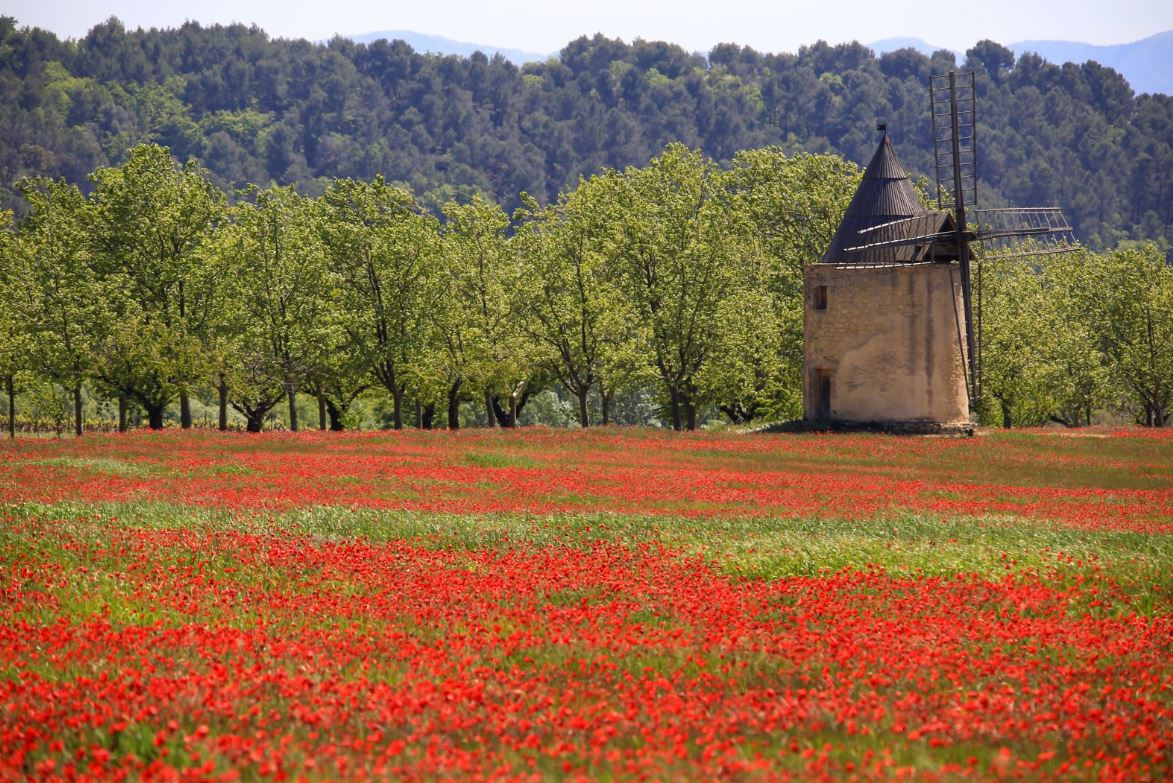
point(822, 394)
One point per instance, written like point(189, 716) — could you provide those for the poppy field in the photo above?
point(610, 604)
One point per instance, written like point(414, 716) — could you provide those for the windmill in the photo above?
point(881, 358)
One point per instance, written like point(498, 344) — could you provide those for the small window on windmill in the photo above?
point(820, 297)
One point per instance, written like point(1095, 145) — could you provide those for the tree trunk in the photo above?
point(292, 409)
point(336, 423)
point(155, 416)
point(321, 410)
point(1006, 420)
point(428, 418)
point(454, 406)
point(78, 421)
point(490, 415)
point(10, 387)
point(584, 415)
point(606, 397)
point(122, 413)
point(223, 419)
point(501, 412)
point(184, 410)
point(419, 414)
point(689, 413)
point(397, 406)
point(254, 421)
point(675, 403)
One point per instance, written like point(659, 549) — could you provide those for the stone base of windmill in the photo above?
point(884, 349)
point(941, 429)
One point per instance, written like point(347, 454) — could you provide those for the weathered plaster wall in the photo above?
point(890, 339)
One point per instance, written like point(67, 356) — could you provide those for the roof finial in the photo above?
point(882, 127)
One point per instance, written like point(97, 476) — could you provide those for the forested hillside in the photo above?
point(253, 110)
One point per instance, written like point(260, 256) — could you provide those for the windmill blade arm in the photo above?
point(1021, 220)
point(891, 224)
point(921, 239)
point(1019, 232)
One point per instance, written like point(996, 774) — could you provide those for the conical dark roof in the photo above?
point(885, 195)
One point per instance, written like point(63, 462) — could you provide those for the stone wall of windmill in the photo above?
point(882, 346)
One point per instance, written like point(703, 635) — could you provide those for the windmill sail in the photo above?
point(1025, 231)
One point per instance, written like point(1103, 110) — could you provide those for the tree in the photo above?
point(480, 329)
point(279, 271)
point(151, 221)
point(15, 336)
point(676, 253)
point(384, 254)
point(1131, 306)
point(1082, 383)
point(56, 294)
point(569, 294)
point(1020, 325)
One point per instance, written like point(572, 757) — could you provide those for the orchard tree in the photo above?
point(337, 381)
point(1019, 326)
point(141, 360)
point(785, 210)
point(677, 253)
point(279, 274)
point(15, 336)
point(384, 254)
point(569, 297)
point(1082, 382)
point(1131, 305)
point(152, 220)
point(55, 292)
point(484, 346)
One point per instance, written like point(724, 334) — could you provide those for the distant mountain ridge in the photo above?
point(1147, 64)
point(438, 44)
point(919, 44)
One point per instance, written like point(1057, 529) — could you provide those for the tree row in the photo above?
point(679, 280)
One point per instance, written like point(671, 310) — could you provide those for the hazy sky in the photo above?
point(547, 25)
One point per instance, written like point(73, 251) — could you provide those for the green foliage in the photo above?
point(1075, 333)
point(277, 270)
point(1020, 332)
point(384, 255)
point(1128, 302)
point(483, 348)
point(786, 210)
point(56, 303)
point(151, 223)
point(676, 254)
point(255, 110)
point(571, 301)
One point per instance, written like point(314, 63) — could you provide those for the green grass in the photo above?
point(103, 465)
point(899, 543)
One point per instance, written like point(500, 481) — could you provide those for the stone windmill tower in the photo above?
point(892, 327)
